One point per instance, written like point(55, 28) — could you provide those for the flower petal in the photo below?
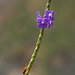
point(45, 20)
point(52, 18)
point(38, 14)
point(48, 25)
point(52, 13)
point(38, 25)
point(45, 16)
point(47, 12)
point(39, 19)
point(42, 27)
point(51, 23)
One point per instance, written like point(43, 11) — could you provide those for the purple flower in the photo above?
point(45, 22)
point(49, 14)
point(49, 24)
point(42, 22)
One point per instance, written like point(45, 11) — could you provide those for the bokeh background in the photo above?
point(19, 33)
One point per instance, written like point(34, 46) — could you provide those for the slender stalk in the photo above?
point(37, 44)
point(48, 4)
point(35, 51)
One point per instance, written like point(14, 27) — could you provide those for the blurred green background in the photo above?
point(19, 33)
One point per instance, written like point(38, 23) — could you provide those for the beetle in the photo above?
point(24, 70)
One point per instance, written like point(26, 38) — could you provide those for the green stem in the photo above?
point(48, 5)
point(37, 44)
point(35, 51)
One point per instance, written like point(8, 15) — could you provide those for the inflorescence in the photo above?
point(45, 22)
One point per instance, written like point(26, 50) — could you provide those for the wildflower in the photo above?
point(42, 22)
point(49, 14)
point(45, 22)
